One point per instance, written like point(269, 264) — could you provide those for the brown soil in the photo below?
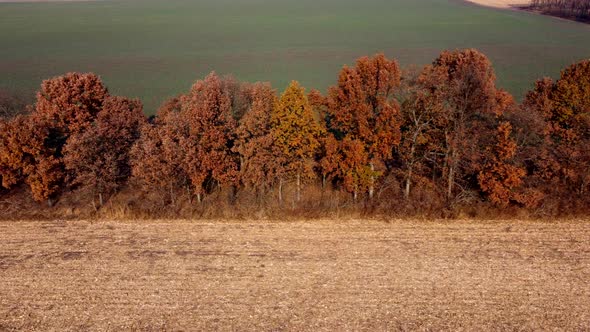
point(325, 275)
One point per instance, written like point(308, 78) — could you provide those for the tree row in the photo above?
point(442, 136)
point(579, 9)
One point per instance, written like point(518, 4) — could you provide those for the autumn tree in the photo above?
point(208, 133)
point(16, 149)
point(296, 136)
point(155, 157)
point(347, 160)
point(534, 152)
point(330, 158)
point(190, 144)
point(15, 126)
point(570, 124)
point(422, 121)
point(24, 155)
point(564, 159)
point(500, 178)
point(462, 85)
point(362, 108)
point(70, 102)
point(260, 162)
point(325, 166)
point(9, 174)
point(65, 105)
point(99, 156)
point(578, 9)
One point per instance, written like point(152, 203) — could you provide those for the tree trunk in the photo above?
point(100, 201)
point(172, 194)
point(408, 182)
point(372, 181)
point(434, 167)
point(410, 168)
point(190, 195)
point(450, 163)
point(281, 191)
point(450, 180)
point(50, 202)
point(233, 194)
point(298, 187)
point(199, 198)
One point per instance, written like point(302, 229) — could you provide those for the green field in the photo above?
point(153, 49)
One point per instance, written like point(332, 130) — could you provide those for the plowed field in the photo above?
point(323, 275)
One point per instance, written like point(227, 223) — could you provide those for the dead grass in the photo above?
point(322, 275)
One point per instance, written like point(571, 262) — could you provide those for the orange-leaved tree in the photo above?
point(362, 108)
point(260, 162)
point(296, 136)
point(564, 106)
point(534, 135)
point(570, 124)
point(462, 83)
point(500, 178)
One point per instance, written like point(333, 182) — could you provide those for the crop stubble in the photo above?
point(322, 275)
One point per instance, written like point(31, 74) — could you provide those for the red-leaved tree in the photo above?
point(65, 105)
point(99, 156)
